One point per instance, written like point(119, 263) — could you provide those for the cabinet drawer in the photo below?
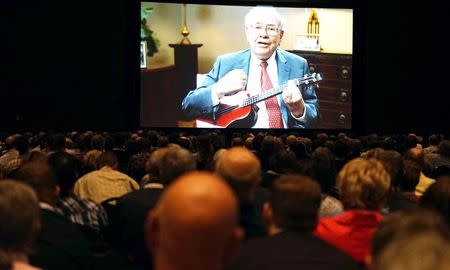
point(336, 119)
point(335, 90)
point(334, 94)
point(335, 114)
point(332, 72)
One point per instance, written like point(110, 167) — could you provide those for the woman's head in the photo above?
point(363, 184)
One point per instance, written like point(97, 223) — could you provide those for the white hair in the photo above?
point(259, 12)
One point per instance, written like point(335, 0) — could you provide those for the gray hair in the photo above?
point(264, 11)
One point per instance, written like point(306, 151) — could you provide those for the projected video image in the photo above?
point(264, 67)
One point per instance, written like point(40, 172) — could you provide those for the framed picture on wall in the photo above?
point(143, 56)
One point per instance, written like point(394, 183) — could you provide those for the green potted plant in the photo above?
point(147, 33)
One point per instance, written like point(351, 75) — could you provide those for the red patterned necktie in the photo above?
point(273, 109)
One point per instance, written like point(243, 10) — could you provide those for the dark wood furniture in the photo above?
point(186, 67)
point(163, 89)
point(158, 95)
point(335, 90)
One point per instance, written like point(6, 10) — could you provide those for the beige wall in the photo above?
point(221, 30)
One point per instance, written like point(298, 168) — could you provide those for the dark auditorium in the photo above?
point(224, 135)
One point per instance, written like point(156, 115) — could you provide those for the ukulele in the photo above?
point(239, 110)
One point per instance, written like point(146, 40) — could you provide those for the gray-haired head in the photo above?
point(259, 14)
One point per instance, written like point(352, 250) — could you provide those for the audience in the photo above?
point(22, 146)
point(18, 229)
point(136, 163)
point(439, 162)
point(433, 142)
point(393, 163)
point(403, 196)
point(363, 186)
point(411, 240)
point(242, 171)
point(56, 143)
point(442, 157)
point(324, 171)
point(89, 162)
point(291, 216)
point(205, 152)
point(437, 197)
point(60, 244)
point(16, 147)
point(417, 155)
point(10, 150)
point(75, 176)
point(80, 211)
point(194, 226)
point(106, 182)
point(132, 208)
point(281, 162)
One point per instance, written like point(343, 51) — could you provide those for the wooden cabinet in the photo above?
point(158, 97)
point(163, 89)
point(335, 90)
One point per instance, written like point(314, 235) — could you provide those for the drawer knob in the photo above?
point(345, 72)
point(342, 118)
point(312, 68)
point(343, 95)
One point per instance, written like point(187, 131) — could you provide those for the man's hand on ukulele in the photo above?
point(293, 99)
point(232, 82)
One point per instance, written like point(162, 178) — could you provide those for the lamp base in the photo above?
point(185, 41)
point(185, 33)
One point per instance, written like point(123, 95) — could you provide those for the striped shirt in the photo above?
point(83, 211)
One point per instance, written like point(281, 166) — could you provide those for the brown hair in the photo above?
point(19, 220)
point(295, 202)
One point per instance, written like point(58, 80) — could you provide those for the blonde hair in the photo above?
point(363, 184)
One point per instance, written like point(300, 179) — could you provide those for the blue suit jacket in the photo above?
point(198, 102)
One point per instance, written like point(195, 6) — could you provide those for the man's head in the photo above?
point(19, 218)
point(437, 197)
point(392, 162)
point(40, 176)
point(363, 184)
point(66, 168)
point(107, 159)
point(444, 148)
point(411, 240)
point(153, 164)
point(194, 225)
point(98, 142)
point(417, 155)
point(90, 160)
point(21, 144)
point(241, 169)
point(264, 28)
point(294, 204)
point(433, 139)
point(174, 162)
point(411, 176)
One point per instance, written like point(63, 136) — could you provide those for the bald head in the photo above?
point(197, 199)
point(194, 224)
point(241, 169)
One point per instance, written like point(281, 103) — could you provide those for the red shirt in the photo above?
point(350, 231)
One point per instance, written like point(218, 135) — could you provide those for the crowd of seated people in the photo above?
point(153, 199)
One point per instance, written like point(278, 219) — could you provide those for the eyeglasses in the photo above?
point(271, 30)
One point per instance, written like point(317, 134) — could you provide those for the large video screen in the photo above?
point(229, 66)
